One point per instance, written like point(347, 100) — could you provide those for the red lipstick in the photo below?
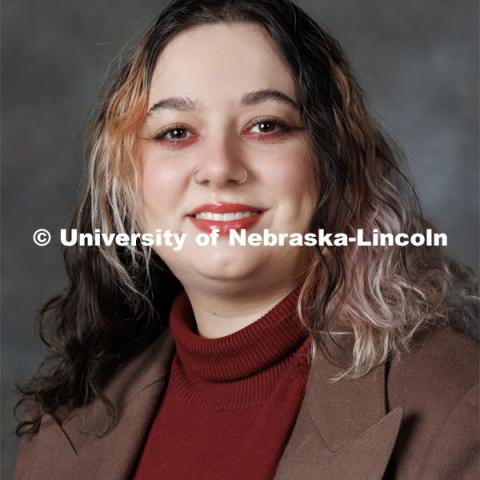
point(209, 216)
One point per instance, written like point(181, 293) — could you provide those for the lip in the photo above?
point(225, 207)
point(224, 227)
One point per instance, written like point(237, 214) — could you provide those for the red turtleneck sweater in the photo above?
point(230, 403)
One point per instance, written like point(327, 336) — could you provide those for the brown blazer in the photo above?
point(416, 419)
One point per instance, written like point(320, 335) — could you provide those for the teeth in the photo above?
point(223, 217)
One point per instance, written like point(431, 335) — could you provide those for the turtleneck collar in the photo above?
point(237, 370)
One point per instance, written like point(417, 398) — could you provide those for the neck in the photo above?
point(221, 314)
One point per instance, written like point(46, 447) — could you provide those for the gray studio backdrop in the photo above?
point(416, 59)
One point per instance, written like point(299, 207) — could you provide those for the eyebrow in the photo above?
point(185, 104)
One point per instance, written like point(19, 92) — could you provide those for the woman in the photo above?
point(337, 362)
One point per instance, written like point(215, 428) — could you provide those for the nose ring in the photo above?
point(245, 175)
point(240, 182)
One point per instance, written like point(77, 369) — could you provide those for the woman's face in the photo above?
point(205, 128)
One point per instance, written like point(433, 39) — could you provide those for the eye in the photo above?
point(174, 133)
point(268, 126)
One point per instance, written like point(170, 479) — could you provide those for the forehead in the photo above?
point(218, 62)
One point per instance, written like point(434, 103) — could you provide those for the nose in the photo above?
point(220, 165)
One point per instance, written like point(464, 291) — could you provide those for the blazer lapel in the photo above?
point(342, 431)
point(72, 451)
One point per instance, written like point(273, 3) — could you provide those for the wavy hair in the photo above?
point(117, 298)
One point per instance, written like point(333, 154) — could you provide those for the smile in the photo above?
point(225, 217)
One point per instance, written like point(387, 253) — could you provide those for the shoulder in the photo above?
point(436, 385)
point(133, 379)
point(442, 364)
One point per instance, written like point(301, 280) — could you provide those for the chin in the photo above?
point(228, 263)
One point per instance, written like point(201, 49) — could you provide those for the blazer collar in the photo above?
point(341, 430)
point(68, 448)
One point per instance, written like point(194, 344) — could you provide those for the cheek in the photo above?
point(291, 182)
point(162, 183)
point(293, 178)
